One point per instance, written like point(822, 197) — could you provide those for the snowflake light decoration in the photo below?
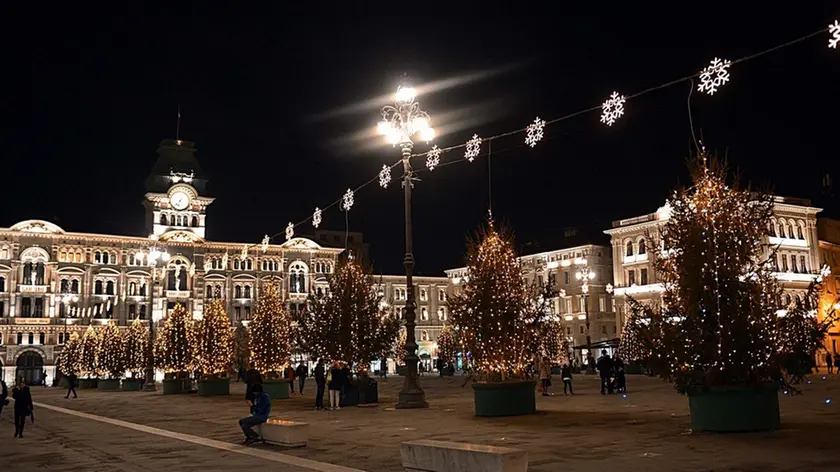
point(433, 158)
point(347, 200)
point(714, 76)
point(835, 34)
point(264, 243)
point(384, 176)
point(316, 217)
point(290, 231)
point(612, 109)
point(473, 148)
point(534, 132)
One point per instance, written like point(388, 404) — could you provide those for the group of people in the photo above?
point(335, 379)
point(832, 361)
point(611, 371)
point(24, 408)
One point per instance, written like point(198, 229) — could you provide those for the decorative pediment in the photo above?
point(215, 277)
point(180, 236)
point(138, 273)
point(244, 277)
point(301, 243)
point(107, 271)
point(34, 254)
point(70, 270)
point(37, 226)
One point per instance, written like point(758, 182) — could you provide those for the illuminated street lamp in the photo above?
point(585, 274)
point(400, 124)
point(153, 260)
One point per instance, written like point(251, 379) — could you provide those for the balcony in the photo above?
point(33, 289)
point(787, 242)
point(179, 294)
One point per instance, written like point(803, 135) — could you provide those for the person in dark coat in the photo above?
point(605, 369)
point(566, 375)
point(23, 407)
point(71, 385)
point(829, 362)
point(260, 412)
point(620, 378)
point(252, 377)
point(4, 396)
point(301, 373)
point(321, 383)
point(336, 382)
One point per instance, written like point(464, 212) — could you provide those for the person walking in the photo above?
point(336, 381)
point(301, 372)
point(320, 383)
point(620, 378)
point(71, 385)
point(566, 374)
point(545, 376)
point(259, 414)
point(605, 369)
point(383, 367)
point(289, 374)
point(23, 407)
point(829, 362)
point(4, 396)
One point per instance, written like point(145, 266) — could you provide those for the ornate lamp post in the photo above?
point(585, 274)
point(400, 124)
point(153, 259)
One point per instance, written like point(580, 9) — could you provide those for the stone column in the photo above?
point(9, 376)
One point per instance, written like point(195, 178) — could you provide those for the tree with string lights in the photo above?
point(111, 357)
point(447, 344)
point(69, 359)
point(631, 346)
point(270, 333)
point(716, 335)
point(548, 339)
point(497, 323)
point(399, 347)
point(174, 350)
point(212, 341)
point(348, 323)
point(136, 345)
point(89, 365)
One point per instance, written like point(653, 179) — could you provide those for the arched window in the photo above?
point(249, 264)
point(4, 252)
point(642, 248)
point(628, 249)
point(442, 313)
point(195, 221)
point(20, 338)
point(424, 314)
point(784, 263)
point(39, 273)
point(62, 256)
point(424, 335)
point(783, 230)
point(42, 338)
point(74, 286)
point(799, 233)
point(97, 257)
point(78, 256)
point(319, 291)
point(236, 264)
point(237, 291)
point(297, 277)
point(109, 287)
point(772, 228)
point(97, 287)
point(163, 220)
point(247, 291)
point(793, 264)
point(60, 338)
point(64, 286)
point(31, 338)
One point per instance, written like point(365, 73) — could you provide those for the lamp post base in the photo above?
point(411, 400)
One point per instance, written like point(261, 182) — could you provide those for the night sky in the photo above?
point(282, 105)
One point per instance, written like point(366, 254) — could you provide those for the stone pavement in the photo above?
point(649, 429)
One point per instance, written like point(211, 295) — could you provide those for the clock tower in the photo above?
point(175, 208)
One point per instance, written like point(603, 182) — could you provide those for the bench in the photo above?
point(427, 455)
point(284, 432)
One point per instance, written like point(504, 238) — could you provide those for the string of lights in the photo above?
point(710, 79)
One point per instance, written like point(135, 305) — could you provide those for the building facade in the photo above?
point(560, 268)
point(55, 282)
point(829, 234)
point(792, 231)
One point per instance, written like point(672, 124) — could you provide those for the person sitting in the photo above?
point(259, 414)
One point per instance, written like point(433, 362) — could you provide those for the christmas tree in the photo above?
point(69, 359)
point(136, 347)
point(631, 346)
point(89, 357)
point(241, 351)
point(349, 323)
point(552, 342)
point(212, 342)
point(548, 338)
point(173, 347)
point(447, 344)
point(111, 351)
point(718, 322)
point(494, 313)
point(270, 333)
point(399, 347)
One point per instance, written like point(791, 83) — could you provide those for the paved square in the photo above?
point(649, 429)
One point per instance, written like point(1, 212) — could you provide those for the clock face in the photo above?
point(179, 200)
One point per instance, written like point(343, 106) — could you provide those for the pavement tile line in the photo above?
point(248, 451)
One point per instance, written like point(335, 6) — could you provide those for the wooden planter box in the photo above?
point(108, 384)
point(511, 398)
point(277, 389)
point(213, 387)
point(131, 385)
point(88, 383)
point(735, 408)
